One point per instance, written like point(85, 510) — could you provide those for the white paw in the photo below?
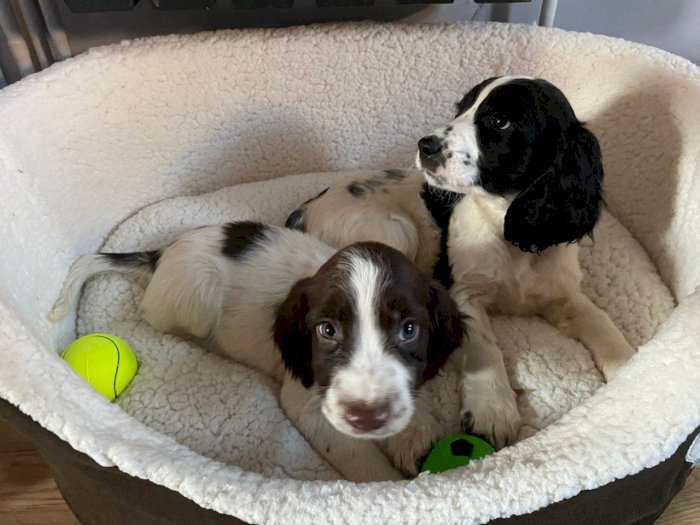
point(490, 410)
point(408, 448)
point(612, 365)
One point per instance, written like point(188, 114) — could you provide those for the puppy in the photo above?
point(350, 335)
point(508, 188)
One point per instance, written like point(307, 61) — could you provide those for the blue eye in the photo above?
point(326, 330)
point(409, 331)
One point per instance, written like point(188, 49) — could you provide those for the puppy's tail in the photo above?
point(137, 265)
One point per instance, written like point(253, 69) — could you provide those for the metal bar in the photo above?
point(58, 41)
point(16, 45)
point(35, 32)
point(547, 12)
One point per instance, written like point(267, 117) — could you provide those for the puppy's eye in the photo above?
point(326, 330)
point(409, 331)
point(499, 121)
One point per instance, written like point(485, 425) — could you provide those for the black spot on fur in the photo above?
point(374, 183)
point(323, 192)
point(356, 190)
point(359, 188)
point(395, 174)
point(149, 258)
point(296, 220)
point(241, 237)
point(448, 129)
point(440, 204)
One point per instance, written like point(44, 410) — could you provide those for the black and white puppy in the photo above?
point(350, 335)
point(508, 188)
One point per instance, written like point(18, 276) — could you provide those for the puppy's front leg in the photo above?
point(580, 319)
point(357, 460)
point(489, 404)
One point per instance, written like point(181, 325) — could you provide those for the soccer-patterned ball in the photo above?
point(455, 451)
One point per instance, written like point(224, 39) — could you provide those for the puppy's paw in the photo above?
point(408, 448)
point(612, 364)
point(490, 411)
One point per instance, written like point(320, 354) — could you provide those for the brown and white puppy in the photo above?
point(350, 335)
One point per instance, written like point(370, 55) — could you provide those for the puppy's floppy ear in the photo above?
point(563, 204)
point(292, 335)
point(446, 329)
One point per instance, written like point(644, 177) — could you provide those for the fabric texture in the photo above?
point(88, 142)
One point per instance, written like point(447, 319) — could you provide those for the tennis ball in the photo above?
point(455, 451)
point(103, 360)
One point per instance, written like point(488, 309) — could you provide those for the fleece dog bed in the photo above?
point(89, 142)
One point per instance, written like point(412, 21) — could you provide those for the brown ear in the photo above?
point(446, 329)
point(292, 335)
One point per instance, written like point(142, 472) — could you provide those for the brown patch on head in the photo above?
point(411, 297)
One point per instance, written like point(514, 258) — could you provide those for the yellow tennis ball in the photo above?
point(103, 360)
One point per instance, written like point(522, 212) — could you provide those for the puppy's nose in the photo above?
point(429, 146)
point(367, 417)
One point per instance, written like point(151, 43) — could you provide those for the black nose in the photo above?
point(429, 146)
point(367, 417)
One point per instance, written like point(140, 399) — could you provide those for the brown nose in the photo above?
point(367, 417)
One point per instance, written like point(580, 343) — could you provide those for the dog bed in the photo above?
point(89, 142)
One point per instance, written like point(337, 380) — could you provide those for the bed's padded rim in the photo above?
point(634, 500)
point(106, 495)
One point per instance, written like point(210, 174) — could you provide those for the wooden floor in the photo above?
point(28, 494)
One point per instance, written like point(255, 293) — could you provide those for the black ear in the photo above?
point(446, 329)
point(563, 204)
point(292, 335)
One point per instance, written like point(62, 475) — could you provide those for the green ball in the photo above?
point(103, 360)
point(455, 451)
